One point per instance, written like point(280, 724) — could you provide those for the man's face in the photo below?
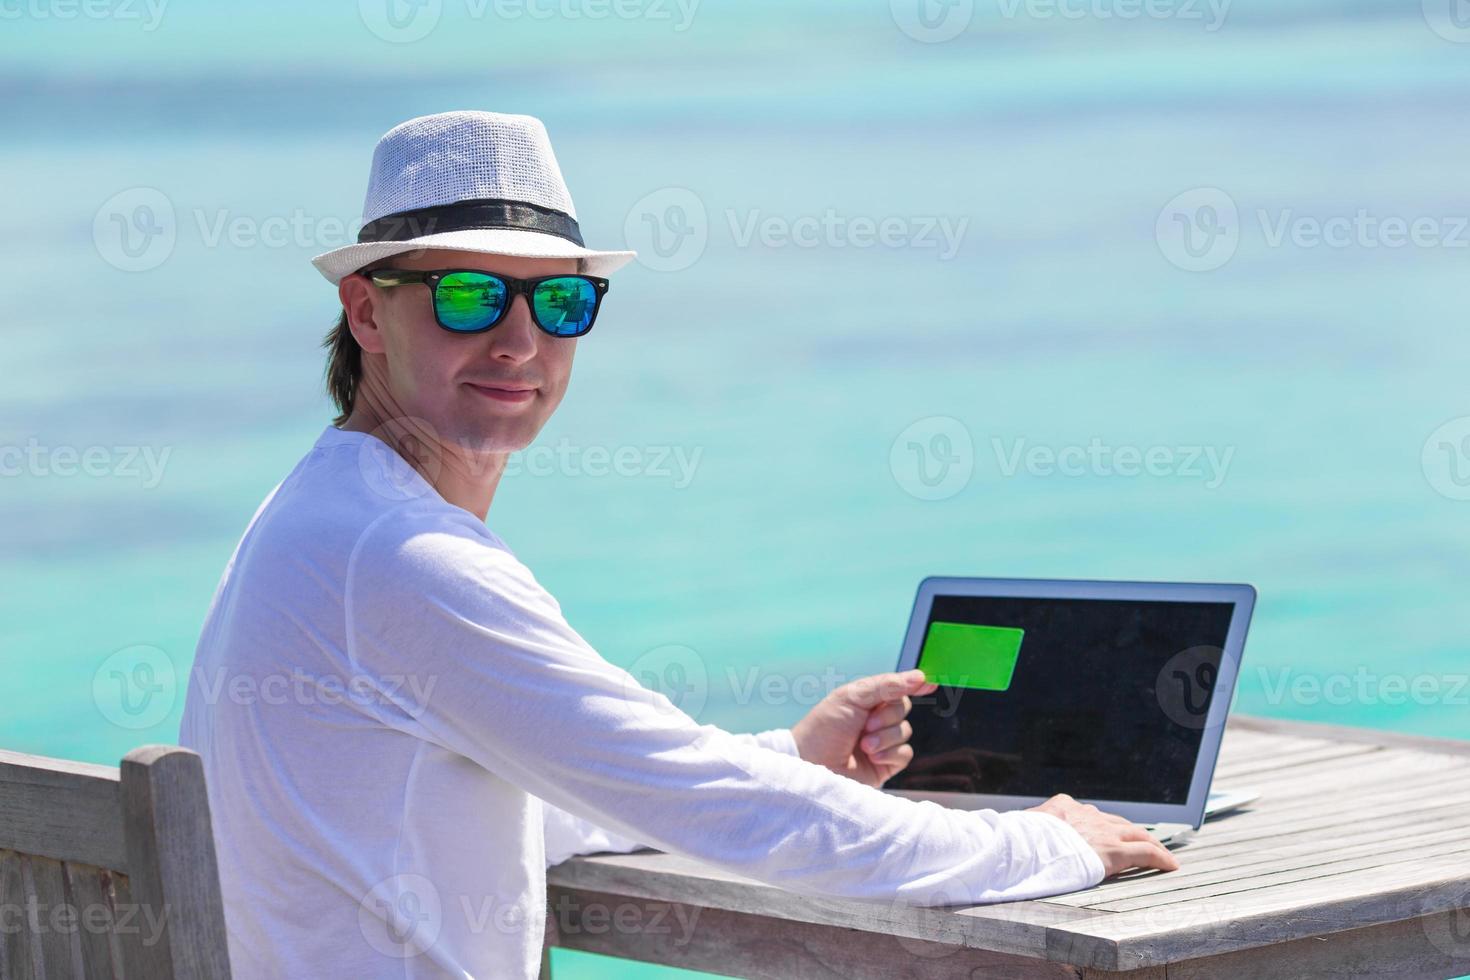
point(484, 392)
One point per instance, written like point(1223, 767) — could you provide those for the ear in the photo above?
point(360, 301)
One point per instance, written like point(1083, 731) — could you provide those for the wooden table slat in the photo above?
point(1253, 828)
point(1327, 817)
point(1296, 761)
point(1453, 810)
point(1387, 831)
point(1357, 853)
point(1451, 849)
point(1412, 779)
point(1353, 769)
point(1266, 860)
point(1315, 906)
point(1238, 746)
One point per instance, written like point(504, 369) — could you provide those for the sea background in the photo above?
point(851, 410)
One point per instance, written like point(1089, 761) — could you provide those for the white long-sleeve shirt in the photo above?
point(568, 835)
point(384, 696)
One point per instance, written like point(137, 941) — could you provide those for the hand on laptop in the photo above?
point(858, 730)
point(1118, 842)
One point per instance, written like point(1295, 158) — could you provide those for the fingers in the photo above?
point(889, 713)
point(894, 758)
point(1144, 854)
point(1134, 832)
point(886, 738)
point(1122, 843)
point(870, 692)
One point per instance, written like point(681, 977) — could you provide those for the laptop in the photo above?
point(1115, 693)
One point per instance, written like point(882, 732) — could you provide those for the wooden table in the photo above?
point(1355, 862)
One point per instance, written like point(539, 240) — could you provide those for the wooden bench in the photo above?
point(1355, 862)
point(109, 872)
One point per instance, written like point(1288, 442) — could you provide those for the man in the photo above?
point(400, 730)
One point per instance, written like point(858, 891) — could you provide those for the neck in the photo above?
point(462, 476)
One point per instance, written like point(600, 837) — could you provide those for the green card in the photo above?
point(963, 655)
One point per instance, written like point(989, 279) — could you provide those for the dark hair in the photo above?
point(344, 357)
point(344, 367)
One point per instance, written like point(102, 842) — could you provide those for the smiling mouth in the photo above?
point(514, 395)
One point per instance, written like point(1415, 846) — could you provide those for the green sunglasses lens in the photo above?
point(469, 301)
point(565, 305)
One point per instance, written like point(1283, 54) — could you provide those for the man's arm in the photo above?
point(568, 835)
point(516, 690)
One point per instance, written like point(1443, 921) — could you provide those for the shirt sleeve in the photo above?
point(512, 687)
point(568, 835)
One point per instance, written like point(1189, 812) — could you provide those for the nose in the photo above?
point(515, 338)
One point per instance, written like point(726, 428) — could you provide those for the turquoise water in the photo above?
point(818, 395)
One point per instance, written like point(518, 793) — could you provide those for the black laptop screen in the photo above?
point(1099, 698)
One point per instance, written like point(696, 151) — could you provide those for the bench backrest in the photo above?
point(109, 872)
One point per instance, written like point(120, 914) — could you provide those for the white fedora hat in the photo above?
point(477, 181)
